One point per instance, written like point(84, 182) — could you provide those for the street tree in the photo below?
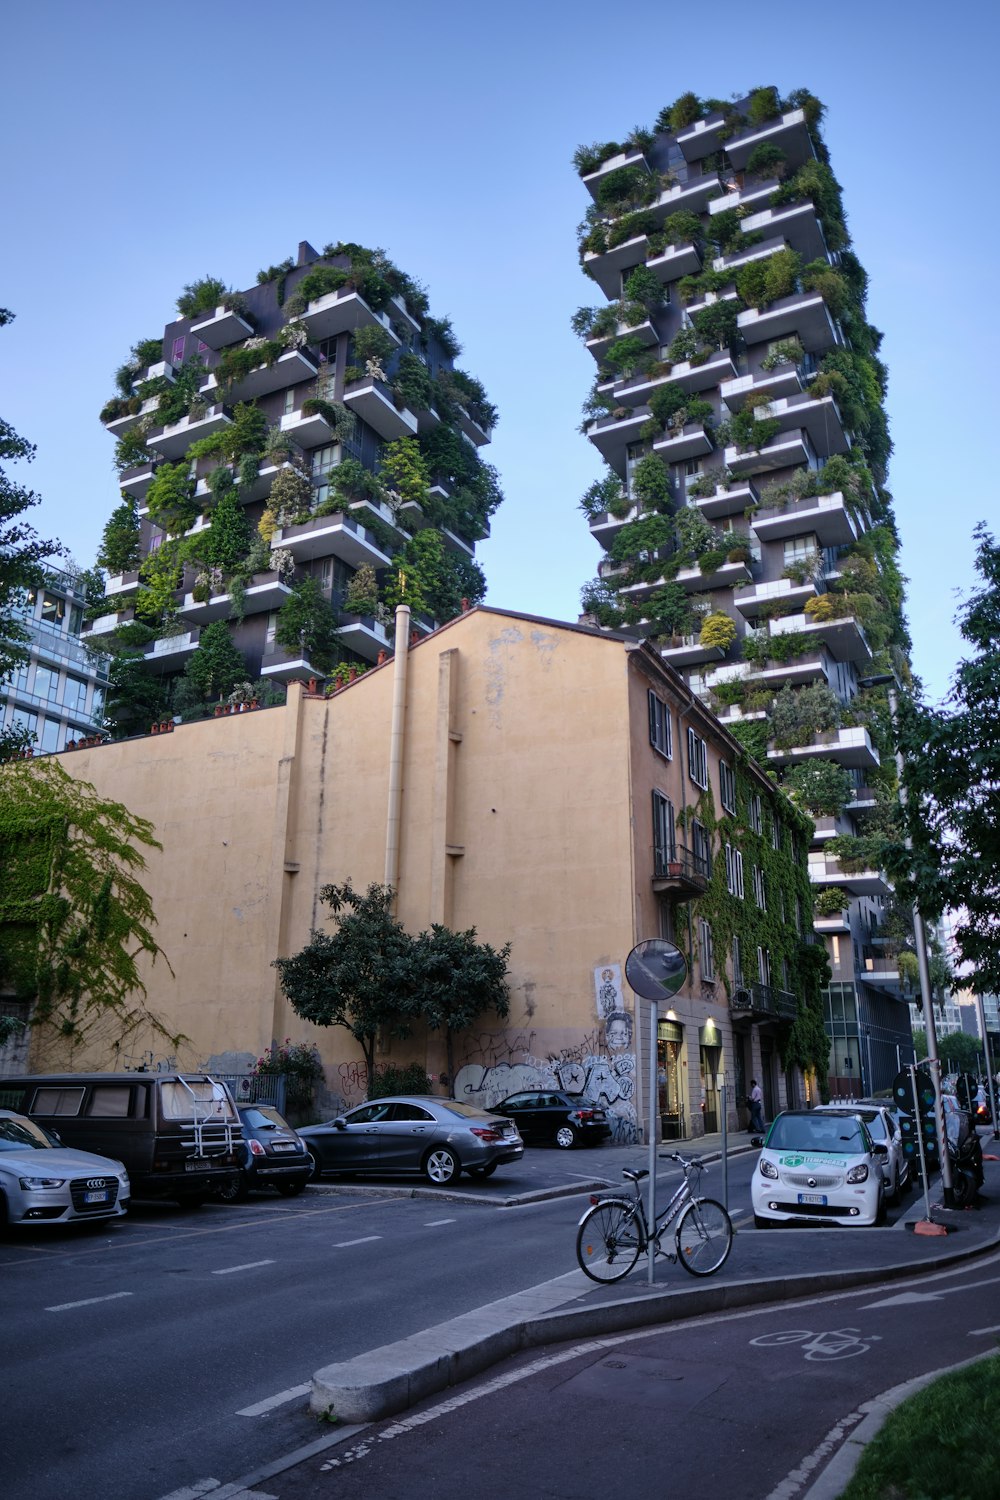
point(959, 1052)
point(457, 979)
point(74, 919)
point(360, 977)
point(952, 779)
point(22, 553)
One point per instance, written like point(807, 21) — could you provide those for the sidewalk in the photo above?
point(762, 1268)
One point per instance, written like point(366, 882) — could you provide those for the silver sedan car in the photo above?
point(44, 1182)
point(884, 1131)
point(414, 1133)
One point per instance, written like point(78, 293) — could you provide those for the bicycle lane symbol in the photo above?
point(837, 1343)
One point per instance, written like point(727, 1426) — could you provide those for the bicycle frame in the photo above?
point(681, 1196)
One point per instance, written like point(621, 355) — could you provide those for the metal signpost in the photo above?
point(656, 970)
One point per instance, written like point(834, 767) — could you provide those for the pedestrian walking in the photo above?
point(755, 1104)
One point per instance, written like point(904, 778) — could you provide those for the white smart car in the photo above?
point(819, 1165)
point(44, 1182)
point(884, 1131)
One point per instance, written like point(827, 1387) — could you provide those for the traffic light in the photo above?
point(917, 1121)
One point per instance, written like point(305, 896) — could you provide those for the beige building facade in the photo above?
point(552, 786)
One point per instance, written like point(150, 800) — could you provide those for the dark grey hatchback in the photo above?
point(552, 1115)
point(274, 1156)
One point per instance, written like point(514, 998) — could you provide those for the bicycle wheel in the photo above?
point(608, 1240)
point(704, 1237)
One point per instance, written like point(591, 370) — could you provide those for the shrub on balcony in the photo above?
point(684, 346)
point(291, 497)
point(337, 417)
point(684, 111)
point(598, 499)
point(856, 853)
point(694, 288)
point(599, 599)
point(717, 324)
point(767, 160)
point(414, 380)
point(789, 645)
point(120, 550)
point(711, 560)
point(830, 901)
point(802, 570)
point(236, 363)
point(784, 352)
point(761, 282)
point(718, 630)
point(799, 714)
point(405, 471)
point(725, 233)
point(631, 226)
point(644, 287)
point(682, 228)
point(708, 482)
point(361, 594)
point(822, 607)
point(763, 105)
point(695, 535)
point(626, 188)
point(730, 693)
point(202, 296)
point(822, 787)
point(651, 482)
point(587, 159)
point(815, 181)
point(373, 345)
point(643, 538)
point(820, 276)
point(669, 609)
point(667, 402)
point(170, 498)
point(627, 354)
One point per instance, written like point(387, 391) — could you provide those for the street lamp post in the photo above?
point(888, 679)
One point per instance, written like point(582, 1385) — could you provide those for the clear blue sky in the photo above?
point(148, 146)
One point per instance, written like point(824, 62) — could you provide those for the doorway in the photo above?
point(669, 1040)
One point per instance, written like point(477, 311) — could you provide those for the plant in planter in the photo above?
point(361, 594)
point(830, 902)
point(685, 110)
point(763, 105)
point(719, 630)
point(729, 693)
point(760, 282)
point(685, 345)
point(717, 324)
point(712, 560)
point(784, 352)
point(708, 482)
point(170, 498)
point(120, 550)
point(644, 538)
point(822, 607)
point(666, 404)
point(372, 347)
point(820, 276)
point(644, 287)
point(670, 609)
point(602, 495)
point(628, 355)
point(291, 497)
point(767, 160)
point(695, 535)
point(803, 570)
point(306, 625)
point(822, 787)
point(587, 159)
point(202, 296)
point(650, 483)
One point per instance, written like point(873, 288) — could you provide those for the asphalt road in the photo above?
point(750, 1403)
point(180, 1344)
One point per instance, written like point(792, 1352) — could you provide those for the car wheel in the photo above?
point(963, 1187)
point(290, 1189)
point(317, 1170)
point(566, 1137)
point(483, 1171)
point(879, 1219)
point(893, 1198)
point(236, 1190)
point(759, 1223)
point(441, 1166)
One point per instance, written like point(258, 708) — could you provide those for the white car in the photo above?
point(819, 1165)
point(884, 1131)
point(43, 1182)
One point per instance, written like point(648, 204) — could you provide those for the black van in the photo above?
point(178, 1134)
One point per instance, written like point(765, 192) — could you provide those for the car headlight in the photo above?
point(767, 1168)
point(42, 1182)
point(858, 1174)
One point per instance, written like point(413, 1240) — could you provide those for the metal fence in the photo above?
point(253, 1088)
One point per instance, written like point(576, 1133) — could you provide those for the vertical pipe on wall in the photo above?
point(396, 740)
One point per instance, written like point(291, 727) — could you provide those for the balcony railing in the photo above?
point(681, 871)
point(765, 1001)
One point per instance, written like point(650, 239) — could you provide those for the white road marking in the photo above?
point(260, 1407)
point(947, 1291)
point(345, 1244)
point(87, 1302)
point(433, 1223)
point(250, 1265)
point(973, 1332)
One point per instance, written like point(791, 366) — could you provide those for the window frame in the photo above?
point(727, 787)
point(734, 871)
point(706, 945)
point(697, 759)
point(661, 734)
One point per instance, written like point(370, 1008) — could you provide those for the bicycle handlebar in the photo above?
point(685, 1161)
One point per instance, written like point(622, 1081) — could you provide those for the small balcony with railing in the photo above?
point(804, 314)
point(763, 1002)
point(136, 481)
point(824, 871)
point(693, 376)
point(796, 223)
point(789, 132)
point(827, 517)
point(223, 326)
point(693, 440)
point(751, 196)
point(600, 343)
point(290, 368)
point(784, 591)
point(265, 592)
point(171, 652)
point(819, 416)
point(786, 450)
point(343, 311)
point(783, 380)
point(680, 872)
point(850, 745)
point(811, 666)
point(722, 503)
point(612, 435)
point(373, 401)
point(635, 160)
point(842, 636)
point(688, 651)
point(337, 535)
point(174, 440)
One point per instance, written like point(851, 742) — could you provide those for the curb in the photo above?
point(396, 1376)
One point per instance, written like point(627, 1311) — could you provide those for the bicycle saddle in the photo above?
point(635, 1176)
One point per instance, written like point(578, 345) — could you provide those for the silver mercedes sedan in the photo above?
point(440, 1138)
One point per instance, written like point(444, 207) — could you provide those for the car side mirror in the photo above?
point(756, 1140)
point(878, 1149)
point(340, 1123)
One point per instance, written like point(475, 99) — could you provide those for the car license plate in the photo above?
point(819, 1198)
point(101, 1197)
point(198, 1164)
point(284, 1146)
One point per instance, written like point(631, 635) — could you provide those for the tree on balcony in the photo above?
point(822, 787)
point(432, 579)
point(307, 626)
point(121, 542)
point(216, 666)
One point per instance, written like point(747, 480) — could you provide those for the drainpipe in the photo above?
point(396, 736)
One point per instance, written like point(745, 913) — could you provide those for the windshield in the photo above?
point(844, 1135)
point(195, 1098)
point(261, 1115)
point(20, 1135)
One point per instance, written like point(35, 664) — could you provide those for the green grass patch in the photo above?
point(941, 1444)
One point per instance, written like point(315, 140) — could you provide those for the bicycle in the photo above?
point(614, 1232)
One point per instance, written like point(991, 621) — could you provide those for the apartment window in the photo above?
point(47, 684)
point(734, 871)
point(785, 983)
point(289, 402)
point(75, 696)
point(272, 625)
point(97, 706)
point(664, 833)
point(759, 893)
point(697, 760)
point(701, 849)
point(53, 610)
point(737, 963)
point(660, 734)
point(782, 906)
point(322, 460)
point(19, 677)
point(707, 950)
point(764, 966)
point(727, 787)
point(50, 736)
point(755, 812)
point(177, 351)
point(25, 720)
point(799, 548)
point(798, 915)
point(776, 831)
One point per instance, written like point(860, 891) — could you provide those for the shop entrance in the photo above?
point(669, 1040)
